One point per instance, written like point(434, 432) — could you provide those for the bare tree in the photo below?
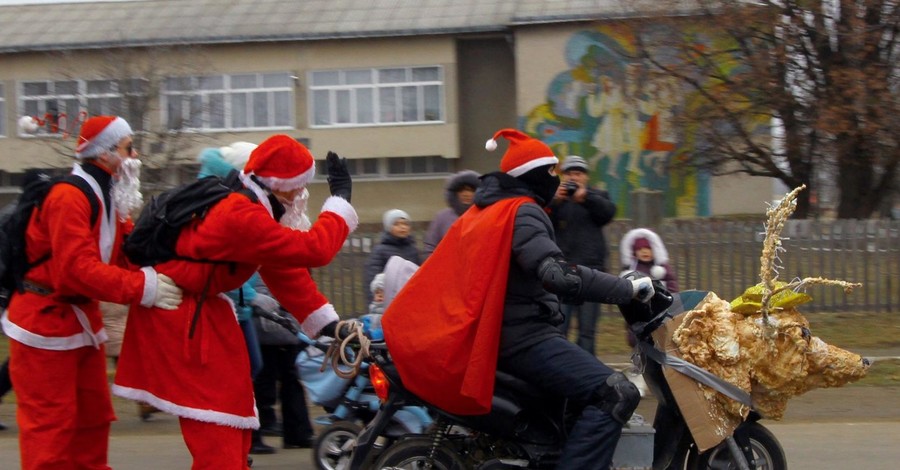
point(128, 82)
point(821, 74)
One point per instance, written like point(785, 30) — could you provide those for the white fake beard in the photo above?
point(126, 193)
point(295, 213)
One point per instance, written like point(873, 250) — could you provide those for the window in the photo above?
point(393, 167)
point(60, 105)
point(366, 97)
point(229, 102)
point(2, 111)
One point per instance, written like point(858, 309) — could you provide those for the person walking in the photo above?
point(579, 213)
point(202, 377)
point(57, 358)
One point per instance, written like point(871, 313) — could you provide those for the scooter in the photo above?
point(526, 429)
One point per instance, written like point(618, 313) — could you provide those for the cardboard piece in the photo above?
point(708, 424)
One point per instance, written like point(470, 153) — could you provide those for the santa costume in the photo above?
point(57, 358)
point(203, 376)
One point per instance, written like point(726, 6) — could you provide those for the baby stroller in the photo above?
point(350, 404)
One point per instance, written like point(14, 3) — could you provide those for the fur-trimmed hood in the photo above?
point(626, 246)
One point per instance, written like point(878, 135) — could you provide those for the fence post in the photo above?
point(647, 207)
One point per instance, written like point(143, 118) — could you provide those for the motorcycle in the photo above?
point(526, 429)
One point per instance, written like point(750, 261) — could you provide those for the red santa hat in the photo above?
point(99, 134)
point(281, 163)
point(524, 153)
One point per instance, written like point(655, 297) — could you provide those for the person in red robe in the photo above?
point(204, 378)
point(488, 299)
point(57, 356)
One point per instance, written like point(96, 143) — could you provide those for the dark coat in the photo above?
point(532, 314)
point(579, 228)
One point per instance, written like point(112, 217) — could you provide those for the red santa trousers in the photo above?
point(215, 447)
point(64, 407)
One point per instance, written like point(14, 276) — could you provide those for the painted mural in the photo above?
point(606, 109)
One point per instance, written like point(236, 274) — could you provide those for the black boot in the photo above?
point(257, 446)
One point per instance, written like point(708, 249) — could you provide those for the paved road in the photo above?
point(852, 436)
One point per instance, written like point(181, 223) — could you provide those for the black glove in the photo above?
point(339, 182)
point(561, 278)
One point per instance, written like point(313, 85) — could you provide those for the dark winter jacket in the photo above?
point(579, 228)
point(531, 314)
point(445, 218)
point(389, 246)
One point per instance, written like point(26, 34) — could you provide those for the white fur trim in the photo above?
point(287, 184)
point(117, 129)
point(342, 208)
point(207, 416)
point(532, 164)
point(490, 145)
point(318, 319)
point(626, 252)
point(149, 295)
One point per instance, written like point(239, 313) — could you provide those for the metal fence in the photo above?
point(722, 256)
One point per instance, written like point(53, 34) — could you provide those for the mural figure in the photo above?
point(605, 109)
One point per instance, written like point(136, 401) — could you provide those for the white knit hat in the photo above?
point(390, 217)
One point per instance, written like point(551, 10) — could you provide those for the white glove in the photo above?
point(168, 295)
point(643, 289)
point(265, 302)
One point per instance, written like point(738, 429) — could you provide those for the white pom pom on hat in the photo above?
point(524, 153)
point(657, 272)
point(28, 125)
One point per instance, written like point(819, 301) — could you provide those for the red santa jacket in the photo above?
point(206, 376)
point(76, 270)
point(443, 328)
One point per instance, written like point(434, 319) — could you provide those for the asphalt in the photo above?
point(149, 445)
point(825, 428)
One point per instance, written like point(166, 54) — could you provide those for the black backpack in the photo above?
point(157, 227)
point(14, 222)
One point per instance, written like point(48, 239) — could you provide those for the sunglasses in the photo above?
point(129, 149)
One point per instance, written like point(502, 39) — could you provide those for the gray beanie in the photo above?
point(391, 216)
point(574, 162)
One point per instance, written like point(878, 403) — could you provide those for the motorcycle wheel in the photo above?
point(412, 454)
point(334, 444)
point(767, 453)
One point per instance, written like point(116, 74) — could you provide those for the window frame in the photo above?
point(228, 91)
point(120, 90)
point(377, 87)
point(383, 165)
point(3, 132)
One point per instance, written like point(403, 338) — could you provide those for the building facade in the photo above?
point(407, 91)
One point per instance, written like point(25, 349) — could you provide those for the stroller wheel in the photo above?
point(334, 444)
